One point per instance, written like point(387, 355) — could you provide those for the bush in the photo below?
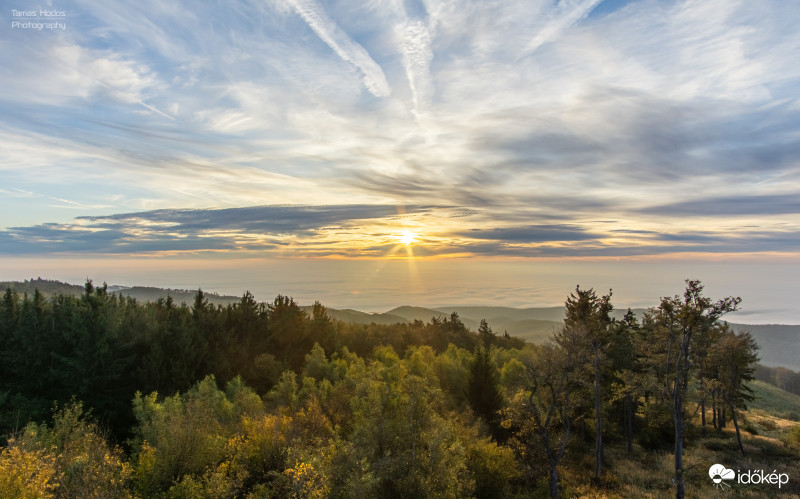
point(26, 473)
point(84, 464)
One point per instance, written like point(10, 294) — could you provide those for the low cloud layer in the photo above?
point(354, 231)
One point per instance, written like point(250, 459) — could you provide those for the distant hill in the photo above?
point(418, 313)
point(46, 287)
point(141, 293)
point(144, 293)
point(357, 317)
point(530, 324)
point(507, 313)
point(779, 345)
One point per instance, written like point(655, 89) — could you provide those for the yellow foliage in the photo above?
point(261, 446)
point(26, 474)
point(305, 482)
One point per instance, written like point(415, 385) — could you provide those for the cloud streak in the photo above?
point(566, 14)
point(350, 51)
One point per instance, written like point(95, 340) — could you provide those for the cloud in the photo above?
point(343, 45)
point(566, 14)
point(246, 229)
point(355, 231)
point(533, 234)
point(731, 206)
point(76, 73)
point(267, 219)
point(616, 121)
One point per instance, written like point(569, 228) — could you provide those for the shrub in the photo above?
point(26, 473)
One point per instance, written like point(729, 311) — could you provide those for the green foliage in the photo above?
point(181, 434)
point(493, 468)
point(483, 389)
point(513, 376)
point(313, 407)
point(452, 369)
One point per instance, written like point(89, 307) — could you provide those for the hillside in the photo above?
point(772, 400)
point(779, 344)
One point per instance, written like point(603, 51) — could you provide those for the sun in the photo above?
point(408, 238)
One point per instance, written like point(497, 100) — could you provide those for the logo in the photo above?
point(718, 473)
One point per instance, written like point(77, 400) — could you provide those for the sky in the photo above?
point(379, 153)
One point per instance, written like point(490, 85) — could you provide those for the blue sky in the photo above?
point(284, 129)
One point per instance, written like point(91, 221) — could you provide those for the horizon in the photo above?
point(334, 291)
point(427, 151)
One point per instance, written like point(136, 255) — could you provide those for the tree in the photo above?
point(486, 334)
point(289, 333)
point(675, 326)
point(626, 372)
point(544, 414)
point(737, 356)
point(483, 389)
point(588, 323)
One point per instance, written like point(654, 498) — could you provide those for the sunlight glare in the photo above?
point(408, 238)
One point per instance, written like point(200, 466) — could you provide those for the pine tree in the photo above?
point(486, 334)
point(483, 389)
point(587, 322)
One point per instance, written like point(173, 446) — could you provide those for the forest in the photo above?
point(105, 396)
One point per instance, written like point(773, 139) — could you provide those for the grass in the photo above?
point(774, 401)
point(649, 474)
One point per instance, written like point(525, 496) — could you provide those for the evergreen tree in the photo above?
point(588, 324)
point(737, 357)
point(486, 334)
point(483, 389)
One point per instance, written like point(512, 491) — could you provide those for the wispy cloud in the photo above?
point(343, 45)
point(565, 14)
point(731, 206)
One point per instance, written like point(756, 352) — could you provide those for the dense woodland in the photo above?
point(104, 396)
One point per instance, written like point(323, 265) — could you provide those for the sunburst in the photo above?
point(408, 238)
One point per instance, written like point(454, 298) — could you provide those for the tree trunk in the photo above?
point(702, 405)
point(681, 377)
point(598, 409)
point(714, 413)
point(736, 425)
point(553, 479)
point(678, 417)
point(629, 423)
